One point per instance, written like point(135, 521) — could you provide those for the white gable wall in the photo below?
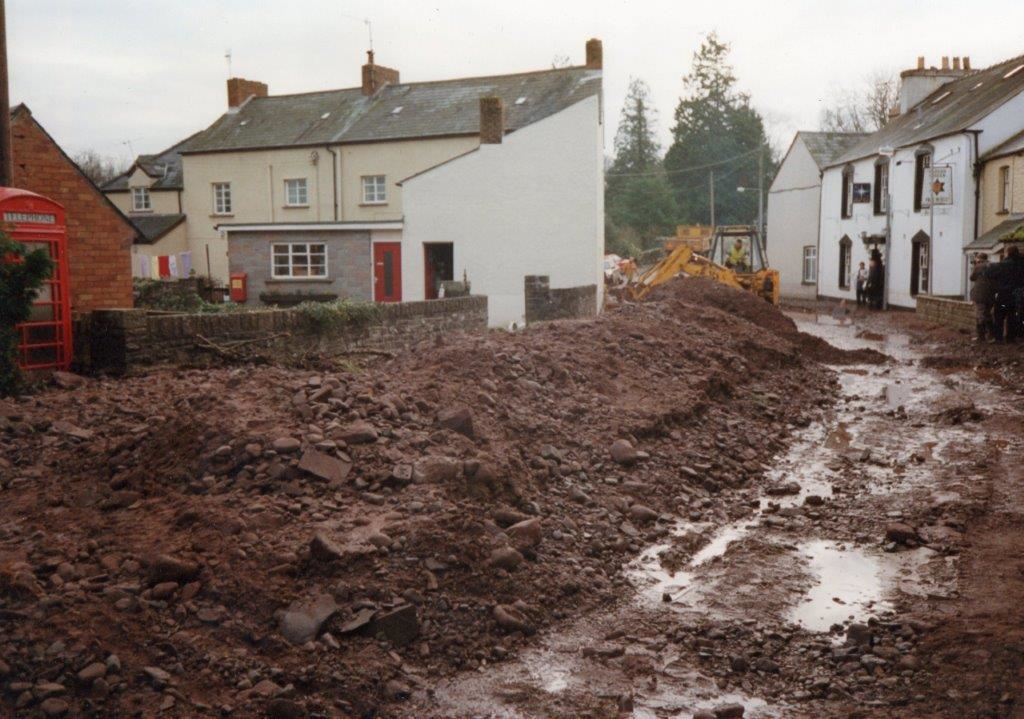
point(532, 205)
point(793, 218)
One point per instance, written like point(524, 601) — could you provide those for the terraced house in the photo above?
point(386, 190)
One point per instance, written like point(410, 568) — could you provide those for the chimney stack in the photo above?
point(967, 62)
point(922, 81)
point(595, 54)
point(956, 63)
point(945, 62)
point(240, 90)
point(376, 76)
point(920, 62)
point(492, 120)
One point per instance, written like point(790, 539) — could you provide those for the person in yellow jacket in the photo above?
point(737, 258)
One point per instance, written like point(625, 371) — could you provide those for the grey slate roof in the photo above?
point(825, 147)
point(428, 109)
point(970, 98)
point(991, 239)
point(164, 166)
point(152, 227)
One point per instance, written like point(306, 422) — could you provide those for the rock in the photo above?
point(457, 419)
point(54, 707)
point(814, 500)
point(766, 665)
point(909, 661)
point(285, 709)
point(165, 568)
point(505, 558)
point(304, 618)
point(640, 513)
point(729, 711)
point(859, 634)
point(286, 445)
point(704, 714)
point(511, 619)
point(265, 688)
point(399, 626)
point(397, 691)
point(92, 671)
point(163, 590)
point(120, 499)
point(157, 676)
point(5, 669)
point(900, 533)
point(44, 690)
point(739, 664)
point(323, 549)
point(324, 466)
point(359, 433)
point(508, 517)
point(436, 470)
point(361, 619)
point(526, 534)
point(623, 452)
point(380, 540)
point(68, 380)
point(784, 489)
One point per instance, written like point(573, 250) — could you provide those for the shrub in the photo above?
point(322, 316)
point(21, 275)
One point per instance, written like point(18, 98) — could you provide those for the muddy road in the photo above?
point(845, 584)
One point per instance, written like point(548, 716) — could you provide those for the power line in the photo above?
point(684, 169)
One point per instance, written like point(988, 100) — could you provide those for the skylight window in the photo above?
point(520, 100)
point(979, 84)
point(325, 116)
point(942, 97)
point(1013, 72)
point(397, 110)
point(243, 123)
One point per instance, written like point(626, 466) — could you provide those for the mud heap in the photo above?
point(257, 539)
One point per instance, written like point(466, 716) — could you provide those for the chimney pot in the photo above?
point(956, 63)
point(595, 54)
point(967, 62)
point(945, 62)
point(240, 90)
point(376, 76)
point(492, 120)
point(920, 62)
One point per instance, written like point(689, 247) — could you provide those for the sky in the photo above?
point(135, 76)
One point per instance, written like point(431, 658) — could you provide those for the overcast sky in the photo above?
point(142, 74)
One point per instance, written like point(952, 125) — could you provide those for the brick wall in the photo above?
point(349, 266)
point(122, 340)
point(946, 311)
point(99, 237)
point(544, 303)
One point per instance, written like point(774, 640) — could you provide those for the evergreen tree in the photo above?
point(716, 126)
point(638, 199)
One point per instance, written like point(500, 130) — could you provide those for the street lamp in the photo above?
point(760, 193)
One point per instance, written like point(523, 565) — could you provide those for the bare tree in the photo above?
point(560, 61)
point(99, 168)
point(865, 109)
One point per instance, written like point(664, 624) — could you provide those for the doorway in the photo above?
point(387, 272)
point(438, 263)
point(919, 264)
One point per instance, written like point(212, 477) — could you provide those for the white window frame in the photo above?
point(301, 192)
point(289, 251)
point(141, 193)
point(375, 189)
point(222, 204)
point(810, 262)
point(1004, 188)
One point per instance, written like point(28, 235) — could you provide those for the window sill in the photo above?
point(1003, 212)
point(373, 204)
point(141, 212)
point(298, 279)
point(809, 283)
point(294, 207)
point(220, 216)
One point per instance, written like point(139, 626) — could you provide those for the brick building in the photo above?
point(99, 236)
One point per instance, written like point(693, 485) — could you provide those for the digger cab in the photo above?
point(724, 243)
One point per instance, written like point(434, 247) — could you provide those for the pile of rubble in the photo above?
point(257, 539)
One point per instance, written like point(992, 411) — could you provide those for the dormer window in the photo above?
point(140, 200)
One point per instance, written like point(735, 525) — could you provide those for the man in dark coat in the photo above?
point(1008, 281)
point(982, 295)
point(876, 280)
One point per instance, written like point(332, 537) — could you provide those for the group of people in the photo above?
point(871, 282)
point(997, 291)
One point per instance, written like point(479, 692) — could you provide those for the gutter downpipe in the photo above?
point(334, 179)
point(977, 206)
point(889, 153)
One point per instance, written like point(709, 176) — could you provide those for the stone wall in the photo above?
point(349, 265)
point(544, 303)
point(946, 311)
point(119, 341)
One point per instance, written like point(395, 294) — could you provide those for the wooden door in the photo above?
point(387, 272)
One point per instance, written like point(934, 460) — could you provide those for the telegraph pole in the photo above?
point(760, 195)
point(711, 185)
point(6, 161)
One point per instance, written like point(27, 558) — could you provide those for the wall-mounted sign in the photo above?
point(939, 182)
point(862, 192)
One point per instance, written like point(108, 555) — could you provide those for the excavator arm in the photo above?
point(764, 283)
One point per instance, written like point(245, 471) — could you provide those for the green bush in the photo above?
point(21, 275)
point(322, 316)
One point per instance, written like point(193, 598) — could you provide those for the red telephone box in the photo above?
point(39, 223)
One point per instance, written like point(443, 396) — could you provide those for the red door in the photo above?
point(387, 272)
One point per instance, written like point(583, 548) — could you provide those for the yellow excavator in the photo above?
point(736, 257)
